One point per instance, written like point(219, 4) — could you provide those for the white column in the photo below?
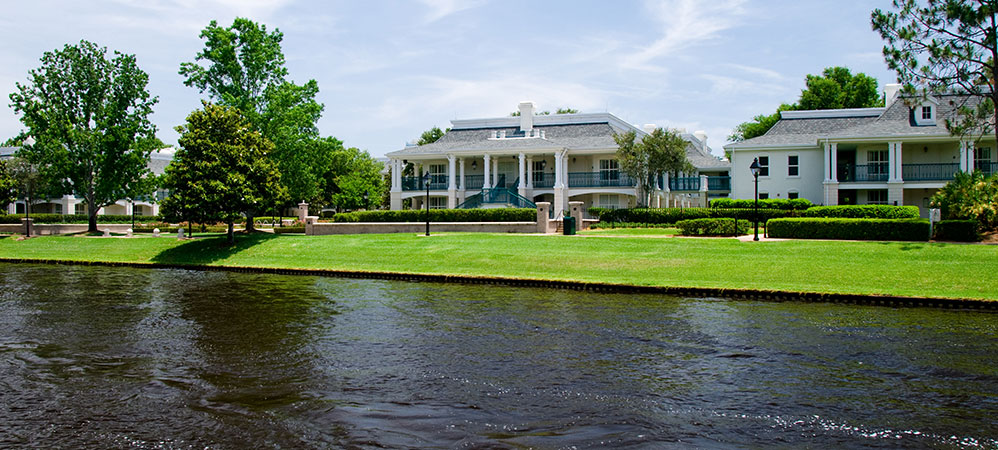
point(495, 173)
point(530, 172)
point(486, 181)
point(894, 162)
point(828, 162)
point(396, 176)
point(564, 167)
point(451, 175)
point(835, 163)
point(963, 157)
point(559, 180)
point(522, 159)
point(462, 186)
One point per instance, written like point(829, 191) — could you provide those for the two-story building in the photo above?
point(516, 161)
point(900, 154)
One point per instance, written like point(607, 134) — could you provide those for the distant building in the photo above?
point(516, 161)
point(900, 154)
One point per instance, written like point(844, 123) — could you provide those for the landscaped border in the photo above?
point(732, 293)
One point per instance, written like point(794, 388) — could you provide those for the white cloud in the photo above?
point(684, 23)
point(443, 8)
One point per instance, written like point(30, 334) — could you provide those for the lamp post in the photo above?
point(29, 141)
point(426, 181)
point(755, 174)
point(366, 196)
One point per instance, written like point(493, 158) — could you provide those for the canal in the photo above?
point(95, 357)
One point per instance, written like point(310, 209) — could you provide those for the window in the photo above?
point(763, 166)
point(609, 201)
point(80, 209)
point(763, 195)
point(438, 202)
point(792, 195)
point(876, 197)
point(877, 162)
point(926, 113)
point(793, 165)
point(609, 170)
point(538, 172)
point(982, 160)
point(438, 175)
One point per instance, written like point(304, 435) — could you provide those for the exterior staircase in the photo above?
point(497, 198)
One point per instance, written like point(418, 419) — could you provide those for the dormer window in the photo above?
point(926, 113)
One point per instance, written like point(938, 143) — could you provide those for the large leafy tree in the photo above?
point(243, 67)
point(221, 169)
point(355, 173)
point(835, 88)
point(661, 151)
point(89, 116)
point(945, 46)
point(8, 185)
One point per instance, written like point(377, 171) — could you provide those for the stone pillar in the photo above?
point(451, 182)
point(486, 181)
point(521, 187)
point(543, 221)
point(576, 211)
point(302, 211)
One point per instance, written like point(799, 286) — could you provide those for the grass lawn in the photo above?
point(631, 232)
point(893, 268)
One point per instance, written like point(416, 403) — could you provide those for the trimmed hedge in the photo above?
point(282, 230)
point(713, 227)
point(611, 225)
point(857, 229)
point(75, 218)
point(795, 204)
point(442, 215)
point(673, 215)
point(863, 212)
point(957, 230)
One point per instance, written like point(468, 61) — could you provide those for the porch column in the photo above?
point(495, 173)
point(521, 187)
point(834, 176)
point(486, 180)
point(894, 162)
point(559, 181)
point(831, 183)
point(461, 184)
point(451, 182)
point(530, 172)
point(828, 162)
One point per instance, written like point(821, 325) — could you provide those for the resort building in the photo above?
point(70, 204)
point(517, 161)
point(899, 155)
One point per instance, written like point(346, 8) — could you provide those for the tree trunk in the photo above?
point(249, 222)
point(231, 234)
point(91, 219)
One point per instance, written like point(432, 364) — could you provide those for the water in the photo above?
point(128, 358)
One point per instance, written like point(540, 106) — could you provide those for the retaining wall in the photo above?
point(320, 228)
point(62, 228)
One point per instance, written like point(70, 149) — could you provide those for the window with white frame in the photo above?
point(926, 113)
point(538, 172)
point(982, 160)
point(438, 174)
point(876, 162)
point(80, 209)
point(763, 166)
point(609, 170)
point(438, 202)
point(876, 197)
point(611, 201)
point(793, 165)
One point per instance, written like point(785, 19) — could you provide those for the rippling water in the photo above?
point(105, 358)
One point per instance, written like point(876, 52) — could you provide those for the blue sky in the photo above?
point(388, 70)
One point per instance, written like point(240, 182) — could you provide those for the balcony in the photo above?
point(609, 178)
point(929, 172)
point(987, 168)
point(687, 184)
point(849, 173)
point(543, 180)
point(718, 183)
point(437, 183)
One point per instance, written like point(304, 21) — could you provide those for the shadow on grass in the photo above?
point(210, 250)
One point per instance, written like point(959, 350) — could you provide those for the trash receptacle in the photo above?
point(569, 226)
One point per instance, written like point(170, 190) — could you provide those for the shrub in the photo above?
point(858, 229)
point(713, 227)
point(282, 230)
point(673, 215)
point(863, 212)
point(606, 225)
point(957, 230)
point(442, 215)
point(970, 196)
point(598, 212)
point(75, 218)
point(769, 203)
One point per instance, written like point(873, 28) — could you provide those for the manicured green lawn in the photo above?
point(631, 232)
point(895, 268)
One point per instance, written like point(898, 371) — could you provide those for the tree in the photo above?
point(243, 67)
point(566, 111)
point(835, 88)
point(8, 184)
point(357, 173)
point(662, 151)
point(548, 113)
point(432, 135)
point(971, 196)
point(946, 46)
point(221, 169)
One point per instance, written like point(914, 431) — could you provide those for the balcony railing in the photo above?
point(929, 172)
point(543, 180)
point(863, 172)
point(718, 183)
point(437, 183)
point(685, 184)
point(600, 179)
point(987, 168)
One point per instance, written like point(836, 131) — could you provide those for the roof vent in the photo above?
point(526, 116)
point(701, 135)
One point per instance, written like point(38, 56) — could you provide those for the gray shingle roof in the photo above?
point(573, 136)
point(898, 121)
point(803, 131)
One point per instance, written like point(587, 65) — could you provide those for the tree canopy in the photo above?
point(432, 135)
point(946, 46)
point(835, 88)
point(8, 185)
point(221, 170)
point(661, 151)
point(89, 117)
point(548, 113)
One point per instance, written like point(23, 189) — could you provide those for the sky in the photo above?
point(389, 70)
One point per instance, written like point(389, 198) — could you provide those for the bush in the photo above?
point(282, 230)
point(794, 204)
point(442, 215)
point(713, 227)
point(673, 215)
point(608, 225)
point(970, 196)
point(858, 229)
point(598, 212)
point(957, 230)
point(863, 212)
point(75, 218)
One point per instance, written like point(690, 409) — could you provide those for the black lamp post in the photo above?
point(29, 141)
point(755, 174)
point(426, 181)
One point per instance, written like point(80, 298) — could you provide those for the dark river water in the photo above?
point(129, 358)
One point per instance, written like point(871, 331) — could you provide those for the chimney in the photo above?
point(526, 116)
point(649, 127)
point(891, 93)
point(702, 136)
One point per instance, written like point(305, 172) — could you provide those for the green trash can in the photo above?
point(569, 226)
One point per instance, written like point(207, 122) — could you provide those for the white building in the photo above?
point(70, 204)
point(900, 154)
point(516, 161)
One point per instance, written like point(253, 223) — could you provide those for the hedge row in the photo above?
point(673, 215)
point(442, 215)
point(858, 229)
point(713, 227)
point(611, 225)
point(75, 218)
point(863, 212)
point(795, 204)
point(282, 230)
point(957, 230)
